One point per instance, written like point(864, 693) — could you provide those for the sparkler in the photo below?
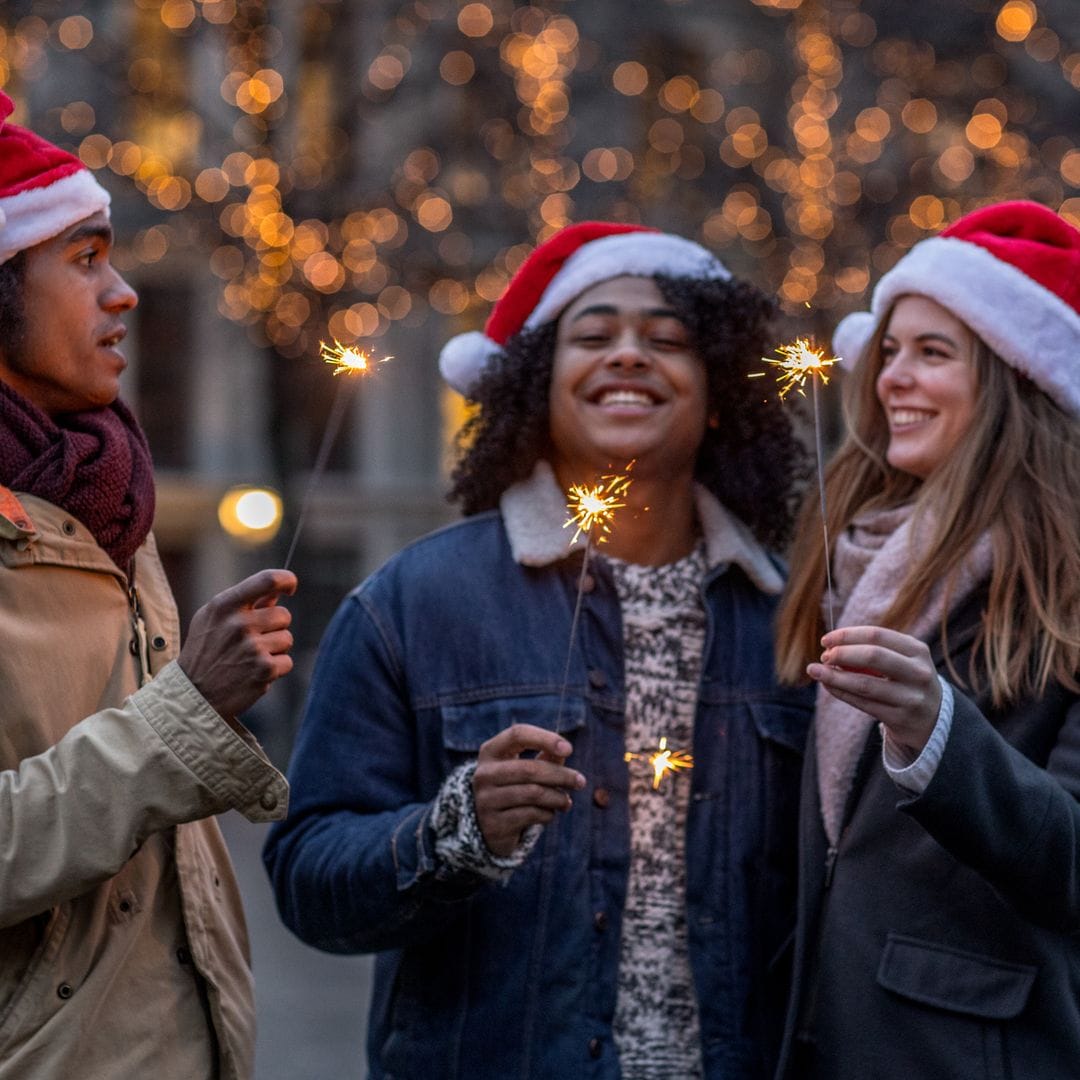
point(346, 360)
point(801, 362)
point(663, 761)
point(591, 509)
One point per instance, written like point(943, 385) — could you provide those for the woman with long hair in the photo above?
point(940, 833)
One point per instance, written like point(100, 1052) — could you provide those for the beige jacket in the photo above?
point(123, 951)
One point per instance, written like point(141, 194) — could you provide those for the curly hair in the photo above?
point(752, 461)
point(12, 308)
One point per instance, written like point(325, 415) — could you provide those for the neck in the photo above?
point(657, 526)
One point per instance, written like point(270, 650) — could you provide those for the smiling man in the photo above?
point(483, 814)
point(122, 944)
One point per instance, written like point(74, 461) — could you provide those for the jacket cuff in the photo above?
point(227, 760)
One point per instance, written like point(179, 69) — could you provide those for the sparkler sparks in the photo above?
point(799, 361)
point(592, 507)
point(346, 360)
point(663, 761)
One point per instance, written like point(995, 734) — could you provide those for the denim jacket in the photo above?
point(450, 642)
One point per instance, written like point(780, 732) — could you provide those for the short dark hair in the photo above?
point(753, 462)
point(12, 304)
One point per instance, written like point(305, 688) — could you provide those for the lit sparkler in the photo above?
point(799, 362)
point(346, 360)
point(663, 761)
point(592, 509)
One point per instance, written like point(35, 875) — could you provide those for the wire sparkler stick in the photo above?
point(800, 362)
point(589, 508)
point(346, 360)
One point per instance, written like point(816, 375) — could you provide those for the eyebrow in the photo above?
point(611, 309)
point(926, 337)
point(90, 232)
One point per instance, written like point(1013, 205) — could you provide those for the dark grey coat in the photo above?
point(943, 942)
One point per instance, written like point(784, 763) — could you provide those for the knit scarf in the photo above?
point(870, 560)
point(94, 464)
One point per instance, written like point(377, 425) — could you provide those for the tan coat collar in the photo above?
point(534, 510)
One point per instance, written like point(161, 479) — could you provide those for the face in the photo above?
point(69, 357)
point(627, 385)
point(926, 384)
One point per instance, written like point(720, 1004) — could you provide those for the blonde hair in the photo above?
point(1015, 475)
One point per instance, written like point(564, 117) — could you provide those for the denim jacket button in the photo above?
point(601, 797)
point(595, 1047)
point(597, 679)
point(600, 920)
point(588, 583)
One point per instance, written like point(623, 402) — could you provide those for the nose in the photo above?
point(896, 372)
point(118, 295)
point(627, 353)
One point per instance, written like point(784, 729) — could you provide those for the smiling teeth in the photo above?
point(909, 416)
point(624, 397)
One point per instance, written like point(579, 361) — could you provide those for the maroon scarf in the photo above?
point(94, 464)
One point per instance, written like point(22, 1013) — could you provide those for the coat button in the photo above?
point(595, 1047)
point(64, 991)
point(158, 642)
point(600, 920)
point(268, 800)
point(601, 797)
point(183, 955)
point(597, 679)
point(588, 583)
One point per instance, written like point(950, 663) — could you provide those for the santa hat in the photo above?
point(1010, 272)
point(562, 268)
point(43, 189)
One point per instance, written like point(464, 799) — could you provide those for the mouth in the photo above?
point(628, 397)
point(906, 417)
point(113, 338)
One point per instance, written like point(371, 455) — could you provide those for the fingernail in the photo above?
point(563, 747)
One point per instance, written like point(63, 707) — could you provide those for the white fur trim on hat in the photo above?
point(39, 214)
point(636, 254)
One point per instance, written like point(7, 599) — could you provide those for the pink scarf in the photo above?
point(95, 465)
point(871, 558)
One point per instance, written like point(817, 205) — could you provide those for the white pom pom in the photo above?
point(851, 336)
point(463, 359)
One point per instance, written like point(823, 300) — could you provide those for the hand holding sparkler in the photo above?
point(801, 361)
point(346, 360)
point(512, 792)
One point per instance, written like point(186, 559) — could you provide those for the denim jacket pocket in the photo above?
point(782, 722)
point(467, 725)
point(955, 980)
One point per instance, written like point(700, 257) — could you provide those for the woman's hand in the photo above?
point(886, 674)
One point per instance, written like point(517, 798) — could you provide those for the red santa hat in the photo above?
point(562, 268)
point(1010, 272)
point(43, 189)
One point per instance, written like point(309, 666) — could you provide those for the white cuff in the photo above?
point(915, 775)
point(459, 842)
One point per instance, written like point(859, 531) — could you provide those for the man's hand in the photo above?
point(238, 643)
point(512, 792)
point(886, 674)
